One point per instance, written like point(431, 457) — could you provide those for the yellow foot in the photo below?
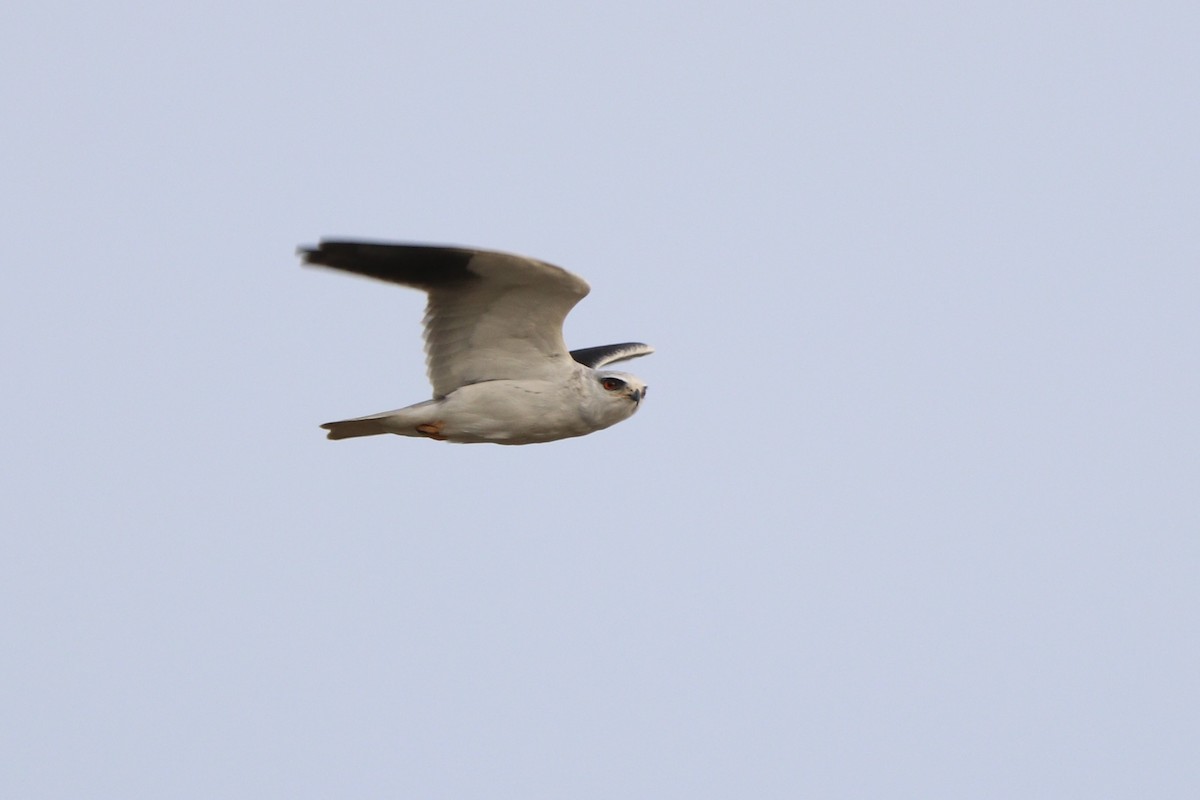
point(433, 431)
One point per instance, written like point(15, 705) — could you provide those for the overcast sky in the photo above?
point(911, 510)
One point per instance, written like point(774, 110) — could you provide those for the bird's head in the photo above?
point(619, 393)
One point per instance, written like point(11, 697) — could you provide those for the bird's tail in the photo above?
point(359, 426)
point(402, 421)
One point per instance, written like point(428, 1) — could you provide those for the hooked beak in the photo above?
point(637, 395)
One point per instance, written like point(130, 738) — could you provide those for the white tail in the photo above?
point(402, 421)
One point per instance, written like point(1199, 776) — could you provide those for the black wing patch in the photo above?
point(417, 265)
point(596, 357)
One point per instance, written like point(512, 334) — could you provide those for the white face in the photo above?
point(623, 388)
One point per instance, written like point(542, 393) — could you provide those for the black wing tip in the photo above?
point(420, 265)
point(595, 357)
point(327, 250)
point(322, 253)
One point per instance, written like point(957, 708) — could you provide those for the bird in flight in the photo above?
point(494, 347)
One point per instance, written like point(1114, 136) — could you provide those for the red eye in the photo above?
point(612, 384)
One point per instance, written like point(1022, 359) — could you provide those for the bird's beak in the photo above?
point(637, 395)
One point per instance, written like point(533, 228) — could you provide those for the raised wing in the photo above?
point(490, 316)
point(597, 357)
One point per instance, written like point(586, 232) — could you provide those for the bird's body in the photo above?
point(500, 369)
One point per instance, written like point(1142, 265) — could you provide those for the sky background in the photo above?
point(912, 508)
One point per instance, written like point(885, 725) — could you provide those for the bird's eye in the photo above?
point(612, 384)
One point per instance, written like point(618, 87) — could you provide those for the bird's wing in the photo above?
point(490, 316)
point(597, 357)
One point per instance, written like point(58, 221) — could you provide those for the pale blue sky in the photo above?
point(911, 510)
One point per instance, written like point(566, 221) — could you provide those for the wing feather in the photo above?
point(490, 315)
point(597, 357)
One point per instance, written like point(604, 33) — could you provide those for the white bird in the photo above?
point(494, 348)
